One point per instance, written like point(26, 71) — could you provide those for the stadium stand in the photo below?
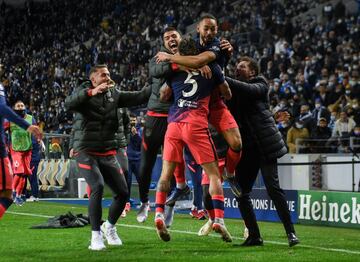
point(308, 50)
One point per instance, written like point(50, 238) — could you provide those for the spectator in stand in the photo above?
point(353, 110)
point(333, 119)
point(341, 132)
point(297, 131)
point(343, 126)
point(321, 133)
point(322, 94)
point(304, 89)
point(320, 111)
point(306, 117)
point(335, 95)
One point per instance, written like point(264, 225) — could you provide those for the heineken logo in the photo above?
point(329, 208)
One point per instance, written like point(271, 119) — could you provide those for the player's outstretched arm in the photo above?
point(134, 98)
point(11, 116)
point(253, 90)
point(35, 131)
point(196, 61)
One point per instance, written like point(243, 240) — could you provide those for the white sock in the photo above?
point(230, 175)
point(95, 234)
point(181, 186)
point(219, 221)
point(108, 225)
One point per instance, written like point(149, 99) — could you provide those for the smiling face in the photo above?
point(171, 41)
point(207, 29)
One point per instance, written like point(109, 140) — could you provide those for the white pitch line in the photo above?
point(211, 235)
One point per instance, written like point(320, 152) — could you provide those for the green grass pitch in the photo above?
point(140, 243)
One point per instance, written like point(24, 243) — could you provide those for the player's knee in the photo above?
point(236, 143)
point(97, 188)
point(163, 185)
point(121, 195)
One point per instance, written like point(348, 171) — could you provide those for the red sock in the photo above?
point(218, 203)
point(2, 211)
point(15, 182)
point(232, 159)
point(21, 185)
point(179, 173)
point(4, 205)
point(211, 214)
point(160, 202)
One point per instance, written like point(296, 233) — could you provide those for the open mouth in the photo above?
point(173, 44)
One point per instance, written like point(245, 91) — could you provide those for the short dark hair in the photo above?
point(252, 64)
point(207, 16)
point(169, 29)
point(187, 46)
point(95, 68)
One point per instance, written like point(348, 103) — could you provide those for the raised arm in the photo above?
point(196, 61)
point(134, 98)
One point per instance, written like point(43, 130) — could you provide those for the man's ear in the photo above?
point(252, 73)
point(92, 79)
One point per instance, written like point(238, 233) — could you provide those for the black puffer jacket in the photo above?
point(123, 132)
point(250, 108)
point(96, 119)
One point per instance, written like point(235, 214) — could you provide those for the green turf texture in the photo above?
point(140, 243)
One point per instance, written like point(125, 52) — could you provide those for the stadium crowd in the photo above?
point(312, 64)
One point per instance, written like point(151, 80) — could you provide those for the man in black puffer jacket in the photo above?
point(262, 146)
point(96, 104)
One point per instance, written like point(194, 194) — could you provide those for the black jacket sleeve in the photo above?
point(78, 97)
point(134, 98)
point(257, 88)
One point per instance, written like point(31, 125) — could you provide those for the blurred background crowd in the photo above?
point(311, 60)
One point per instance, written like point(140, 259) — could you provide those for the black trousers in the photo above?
point(246, 173)
point(122, 158)
point(153, 138)
point(98, 170)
